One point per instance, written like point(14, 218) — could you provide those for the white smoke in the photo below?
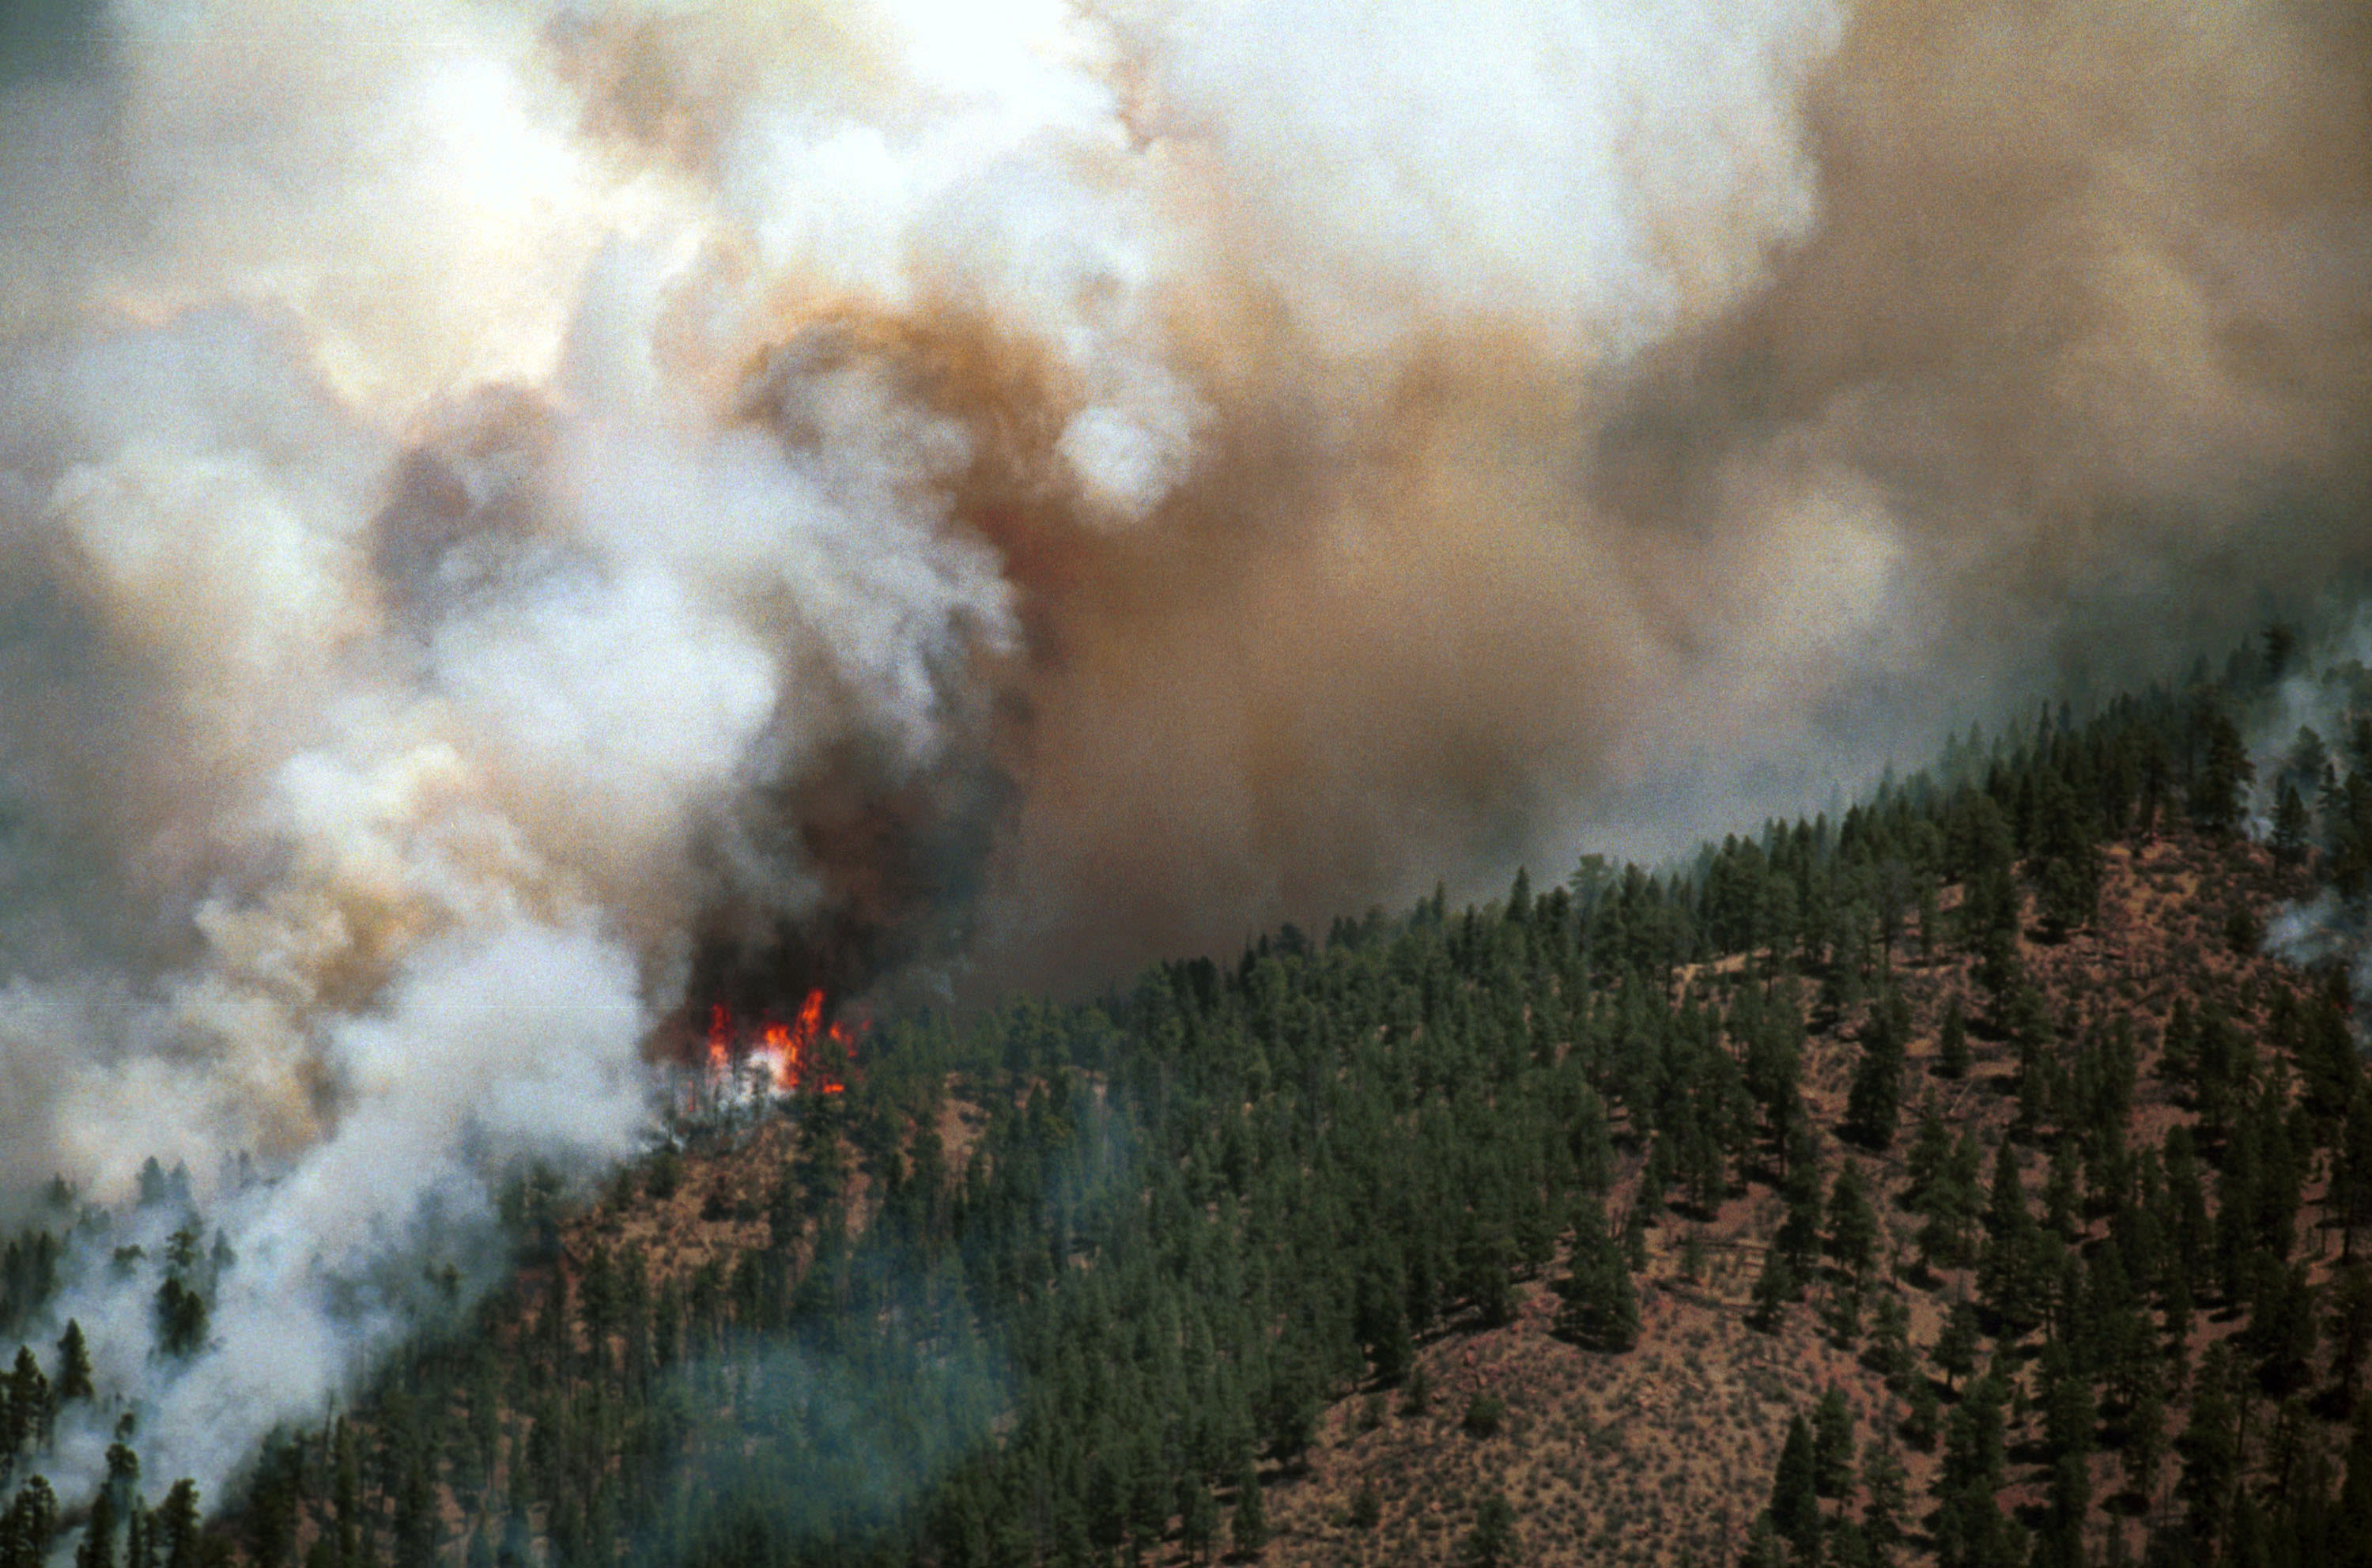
point(394, 603)
point(2302, 737)
point(496, 501)
point(521, 1037)
point(1602, 174)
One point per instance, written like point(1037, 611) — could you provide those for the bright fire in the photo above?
point(805, 1055)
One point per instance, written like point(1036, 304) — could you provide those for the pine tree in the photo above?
point(177, 1523)
point(139, 1542)
point(74, 1365)
point(1799, 1236)
point(1832, 1444)
point(33, 1522)
point(1198, 1518)
point(2352, 1521)
point(1928, 1161)
point(1970, 1530)
point(2351, 1168)
point(2284, 1325)
point(1492, 1543)
point(1887, 1351)
point(1952, 1042)
point(2350, 1325)
point(96, 1549)
point(2292, 826)
point(2005, 1268)
point(1853, 1224)
point(1249, 1529)
point(1954, 1355)
point(1381, 1317)
point(180, 1317)
point(345, 1495)
point(1884, 1495)
point(1794, 1491)
point(2210, 1447)
point(2219, 788)
point(1600, 1309)
point(1416, 1393)
point(2066, 861)
point(1765, 1549)
point(1840, 1313)
point(1775, 1289)
point(1924, 1417)
point(2145, 1442)
point(2068, 1417)
point(1874, 1103)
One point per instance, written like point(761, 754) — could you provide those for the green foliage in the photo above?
point(27, 1526)
point(1874, 1104)
point(1249, 1529)
point(1600, 1309)
point(2010, 1279)
point(1492, 1543)
point(1691, 1261)
point(1887, 1350)
point(74, 1365)
point(1923, 1421)
point(2350, 1326)
point(1952, 1042)
point(1853, 1230)
point(1416, 1394)
point(2144, 1448)
point(1970, 1529)
point(2293, 826)
point(2210, 1447)
point(1832, 1444)
point(177, 1524)
point(663, 1173)
point(97, 1546)
point(1954, 1355)
point(1198, 1519)
point(181, 1316)
point(1775, 1288)
point(2218, 789)
point(1765, 1549)
point(1795, 1487)
point(1884, 1496)
point(1208, 1203)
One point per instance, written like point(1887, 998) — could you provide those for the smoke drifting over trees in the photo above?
point(511, 514)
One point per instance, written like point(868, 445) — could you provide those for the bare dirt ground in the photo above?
point(1664, 1455)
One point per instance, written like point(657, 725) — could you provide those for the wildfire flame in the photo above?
point(807, 1055)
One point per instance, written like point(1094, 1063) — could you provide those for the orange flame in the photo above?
point(720, 1038)
point(794, 1055)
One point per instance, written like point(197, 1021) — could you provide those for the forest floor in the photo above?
point(1664, 1454)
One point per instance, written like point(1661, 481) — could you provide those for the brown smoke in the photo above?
point(2072, 375)
point(519, 524)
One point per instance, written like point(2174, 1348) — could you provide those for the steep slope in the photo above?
point(1666, 1453)
point(1527, 1228)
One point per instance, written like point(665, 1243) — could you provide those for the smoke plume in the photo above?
point(518, 519)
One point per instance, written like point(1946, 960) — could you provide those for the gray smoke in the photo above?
point(518, 519)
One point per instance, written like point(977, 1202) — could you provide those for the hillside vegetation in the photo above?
point(1956, 1181)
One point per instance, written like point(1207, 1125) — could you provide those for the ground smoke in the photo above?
point(514, 518)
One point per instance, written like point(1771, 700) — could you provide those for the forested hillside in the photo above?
point(1955, 1179)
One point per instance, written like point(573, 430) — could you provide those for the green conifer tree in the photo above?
point(1832, 1444)
point(1249, 1529)
point(1952, 1042)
